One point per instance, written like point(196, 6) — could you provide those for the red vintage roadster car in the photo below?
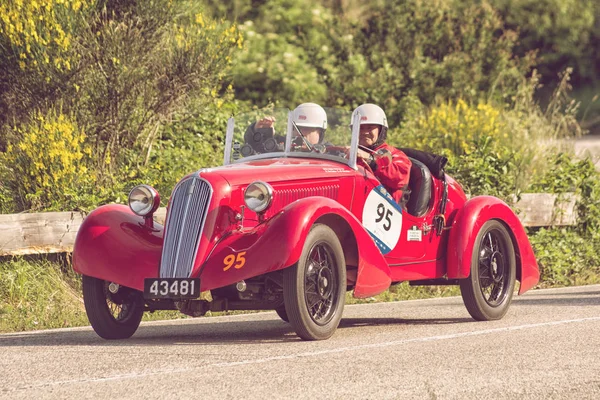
point(289, 226)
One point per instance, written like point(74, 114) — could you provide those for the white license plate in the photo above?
point(171, 288)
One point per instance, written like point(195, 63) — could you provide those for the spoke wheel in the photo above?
point(112, 315)
point(314, 289)
point(488, 291)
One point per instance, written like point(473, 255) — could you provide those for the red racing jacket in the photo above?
point(392, 167)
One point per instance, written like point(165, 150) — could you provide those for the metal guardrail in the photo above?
point(55, 232)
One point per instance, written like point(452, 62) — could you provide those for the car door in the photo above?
point(400, 236)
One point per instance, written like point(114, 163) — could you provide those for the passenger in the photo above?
point(310, 118)
point(390, 165)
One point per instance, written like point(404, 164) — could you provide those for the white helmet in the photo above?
point(370, 114)
point(310, 115)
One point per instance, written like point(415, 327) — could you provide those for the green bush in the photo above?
point(476, 141)
point(286, 44)
point(565, 257)
point(120, 72)
point(38, 55)
point(434, 50)
point(7, 203)
point(47, 168)
point(565, 34)
point(494, 147)
point(145, 64)
point(382, 53)
point(487, 169)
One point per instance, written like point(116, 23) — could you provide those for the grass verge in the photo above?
point(44, 294)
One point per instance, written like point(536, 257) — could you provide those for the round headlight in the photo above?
point(143, 200)
point(258, 196)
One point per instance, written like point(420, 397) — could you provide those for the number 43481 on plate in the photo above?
point(172, 288)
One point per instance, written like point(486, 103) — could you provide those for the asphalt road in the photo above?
point(546, 347)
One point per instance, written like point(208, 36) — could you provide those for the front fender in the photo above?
point(277, 243)
point(469, 220)
point(114, 245)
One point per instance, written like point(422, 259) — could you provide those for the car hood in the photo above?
point(282, 169)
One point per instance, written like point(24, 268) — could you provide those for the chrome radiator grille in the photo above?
point(187, 214)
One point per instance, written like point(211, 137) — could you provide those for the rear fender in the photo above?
point(277, 243)
point(114, 245)
point(469, 220)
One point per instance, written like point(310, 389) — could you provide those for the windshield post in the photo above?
point(228, 141)
point(288, 134)
point(354, 141)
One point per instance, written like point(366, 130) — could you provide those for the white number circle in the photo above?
point(382, 217)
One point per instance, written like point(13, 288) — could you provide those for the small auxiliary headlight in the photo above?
point(143, 200)
point(258, 196)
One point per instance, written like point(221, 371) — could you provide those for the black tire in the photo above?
point(282, 313)
point(113, 316)
point(314, 289)
point(488, 291)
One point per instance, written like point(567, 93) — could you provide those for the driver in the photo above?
point(390, 165)
point(310, 118)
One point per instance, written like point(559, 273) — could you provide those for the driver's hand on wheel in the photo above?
point(364, 156)
point(299, 145)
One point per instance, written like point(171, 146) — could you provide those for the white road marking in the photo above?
point(405, 341)
point(143, 374)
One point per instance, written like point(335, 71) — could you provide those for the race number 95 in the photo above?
point(236, 261)
point(382, 217)
point(384, 214)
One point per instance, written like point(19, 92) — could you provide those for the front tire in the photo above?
point(282, 313)
point(488, 291)
point(314, 289)
point(113, 316)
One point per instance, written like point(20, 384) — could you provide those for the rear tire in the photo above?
point(113, 316)
point(488, 291)
point(314, 289)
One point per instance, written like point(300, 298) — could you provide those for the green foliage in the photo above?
point(564, 32)
point(47, 168)
point(565, 174)
point(38, 295)
point(144, 65)
point(487, 169)
point(121, 71)
point(476, 141)
point(565, 257)
point(442, 49)
point(38, 53)
point(454, 127)
point(286, 44)
point(494, 148)
point(186, 145)
point(7, 203)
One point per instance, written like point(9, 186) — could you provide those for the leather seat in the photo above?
point(420, 185)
